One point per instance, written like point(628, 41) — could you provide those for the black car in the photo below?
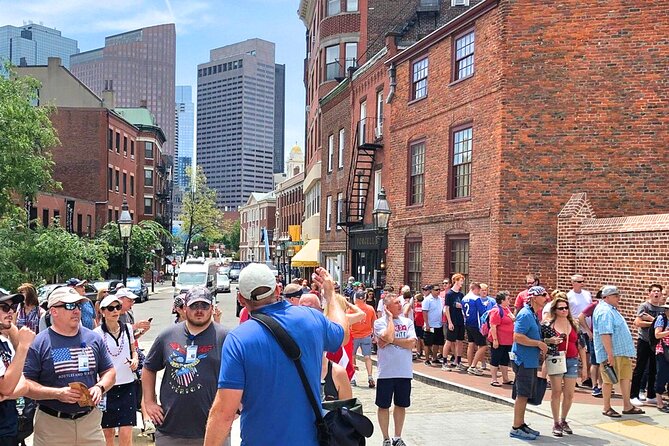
point(44, 291)
point(138, 286)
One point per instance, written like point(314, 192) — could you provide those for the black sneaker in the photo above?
point(587, 383)
point(428, 362)
point(529, 430)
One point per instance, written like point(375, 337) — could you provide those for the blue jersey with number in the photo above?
point(471, 308)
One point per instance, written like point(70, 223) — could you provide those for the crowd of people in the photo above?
point(81, 363)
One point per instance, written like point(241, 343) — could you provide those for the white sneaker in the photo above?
point(636, 402)
point(149, 427)
point(651, 401)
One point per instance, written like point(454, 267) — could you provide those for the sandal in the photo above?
point(495, 384)
point(634, 411)
point(611, 413)
point(509, 383)
point(664, 409)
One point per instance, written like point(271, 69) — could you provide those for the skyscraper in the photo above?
point(279, 116)
point(184, 139)
point(33, 44)
point(138, 67)
point(236, 115)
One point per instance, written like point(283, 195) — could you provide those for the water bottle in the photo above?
point(611, 373)
point(20, 405)
point(102, 405)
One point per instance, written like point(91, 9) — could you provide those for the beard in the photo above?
point(198, 321)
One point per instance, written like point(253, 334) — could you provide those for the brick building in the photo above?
point(503, 113)
point(258, 221)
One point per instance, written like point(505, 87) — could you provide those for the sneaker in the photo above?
point(399, 442)
point(353, 383)
point(428, 362)
point(636, 402)
point(447, 367)
point(473, 371)
point(387, 442)
point(565, 427)
point(527, 428)
point(371, 383)
point(149, 427)
point(597, 392)
point(461, 367)
point(651, 401)
point(520, 433)
point(557, 430)
point(587, 383)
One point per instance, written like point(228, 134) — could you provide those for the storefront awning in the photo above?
point(309, 255)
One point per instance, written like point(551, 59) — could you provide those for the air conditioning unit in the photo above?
point(459, 2)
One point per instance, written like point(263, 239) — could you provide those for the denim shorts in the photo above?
point(572, 368)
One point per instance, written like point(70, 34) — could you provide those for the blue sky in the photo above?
point(201, 25)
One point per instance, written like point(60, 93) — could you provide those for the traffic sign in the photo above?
point(174, 263)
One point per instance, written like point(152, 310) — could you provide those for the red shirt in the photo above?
point(589, 310)
point(243, 315)
point(521, 300)
point(419, 320)
point(570, 344)
point(504, 326)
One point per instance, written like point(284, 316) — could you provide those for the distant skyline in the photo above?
point(202, 25)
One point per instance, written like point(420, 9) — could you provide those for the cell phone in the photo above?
point(150, 319)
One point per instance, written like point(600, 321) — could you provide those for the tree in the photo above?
point(202, 219)
point(145, 237)
point(26, 137)
point(231, 236)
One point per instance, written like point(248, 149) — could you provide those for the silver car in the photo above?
point(222, 283)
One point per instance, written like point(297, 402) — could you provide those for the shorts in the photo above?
point(591, 350)
point(475, 336)
point(121, 406)
point(500, 356)
point(662, 378)
point(457, 334)
point(420, 333)
point(525, 382)
point(364, 343)
point(572, 368)
point(166, 440)
point(436, 337)
point(389, 389)
point(623, 367)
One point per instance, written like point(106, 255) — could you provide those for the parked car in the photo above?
point(235, 269)
point(43, 292)
point(107, 284)
point(137, 286)
point(222, 283)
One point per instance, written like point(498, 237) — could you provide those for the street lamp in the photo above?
point(290, 252)
point(125, 230)
point(278, 252)
point(381, 214)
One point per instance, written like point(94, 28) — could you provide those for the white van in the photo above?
point(196, 272)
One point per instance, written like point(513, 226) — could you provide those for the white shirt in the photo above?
point(120, 353)
point(578, 302)
point(395, 361)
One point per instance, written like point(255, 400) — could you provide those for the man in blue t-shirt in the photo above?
point(68, 370)
point(527, 348)
point(257, 376)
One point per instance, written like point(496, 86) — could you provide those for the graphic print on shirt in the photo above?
point(184, 371)
point(401, 331)
point(67, 361)
point(5, 355)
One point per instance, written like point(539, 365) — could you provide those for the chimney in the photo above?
point(142, 103)
point(54, 63)
point(391, 44)
point(108, 99)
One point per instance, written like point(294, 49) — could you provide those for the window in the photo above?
point(340, 209)
point(461, 172)
point(464, 56)
point(80, 223)
point(110, 178)
point(457, 250)
point(351, 5)
point(328, 213)
point(89, 225)
point(125, 183)
point(109, 215)
point(362, 127)
point(419, 79)
point(148, 150)
point(110, 139)
point(56, 216)
point(417, 169)
point(45, 218)
point(125, 146)
point(148, 178)
point(377, 185)
point(118, 180)
point(115, 214)
point(118, 142)
point(413, 265)
point(340, 154)
point(331, 62)
point(148, 206)
point(132, 185)
point(378, 131)
point(132, 149)
point(351, 55)
point(330, 152)
point(334, 7)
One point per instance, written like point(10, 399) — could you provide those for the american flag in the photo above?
point(66, 360)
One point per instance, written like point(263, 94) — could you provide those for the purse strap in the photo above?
point(292, 350)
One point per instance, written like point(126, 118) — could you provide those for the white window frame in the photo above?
point(340, 154)
point(351, 55)
point(328, 213)
point(351, 5)
point(379, 113)
point(377, 185)
point(340, 209)
point(330, 152)
point(362, 128)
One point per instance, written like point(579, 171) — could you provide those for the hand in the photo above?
point(381, 343)
point(144, 325)
point(389, 315)
point(543, 347)
point(25, 337)
point(451, 327)
point(68, 395)
point(458, 305)
point(555, 340)
point(155, 412)
point(584, 374)
point(325, 282)
point(134, 363)
point(96, 394)
point(495, 344)
point(217, 315)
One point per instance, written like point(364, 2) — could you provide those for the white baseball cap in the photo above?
point(64, 294)
point(256, 282)
point(108, 300)
point(125, 292)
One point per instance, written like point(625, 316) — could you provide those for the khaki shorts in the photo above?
point(623, 367)
point(52, 431)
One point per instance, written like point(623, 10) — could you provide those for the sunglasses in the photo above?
point(6, 307)
point(562, 308)
point(200, 306)
point(111, 308)
point(578, 281)
point(70, 306)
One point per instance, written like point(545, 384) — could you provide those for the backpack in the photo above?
point(652, 340)
point(484, 320)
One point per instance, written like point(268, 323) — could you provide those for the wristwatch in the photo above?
point(101, 387)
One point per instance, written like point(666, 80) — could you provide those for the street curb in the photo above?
point(470, 391)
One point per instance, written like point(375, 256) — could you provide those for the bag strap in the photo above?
point(292, 350)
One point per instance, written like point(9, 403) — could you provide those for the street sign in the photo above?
point(174, 263)
point(297, 243)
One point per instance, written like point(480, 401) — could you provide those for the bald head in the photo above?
point(310, 300)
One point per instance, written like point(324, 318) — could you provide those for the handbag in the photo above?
point(340, 426)
point(556, 365)
point(539, 392)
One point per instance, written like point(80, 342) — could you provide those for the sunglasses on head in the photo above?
point(70, 306)
point(111, 308)
point(199, 306)
point(6, 307)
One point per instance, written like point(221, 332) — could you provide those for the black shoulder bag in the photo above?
point(339, 427)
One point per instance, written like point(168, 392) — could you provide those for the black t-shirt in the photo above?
point(452, 298)
point(8, 416)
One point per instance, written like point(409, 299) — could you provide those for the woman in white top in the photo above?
point(121, 400)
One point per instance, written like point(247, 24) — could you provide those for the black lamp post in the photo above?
point(381, 215)
point(278, 251)
point(125, 230)
point(290, 252)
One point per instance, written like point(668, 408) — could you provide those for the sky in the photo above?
point(201, 26)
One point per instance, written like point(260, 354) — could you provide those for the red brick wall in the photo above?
point(57, 202)
point(340, 24)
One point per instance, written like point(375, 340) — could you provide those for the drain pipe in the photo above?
point(393, 83)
